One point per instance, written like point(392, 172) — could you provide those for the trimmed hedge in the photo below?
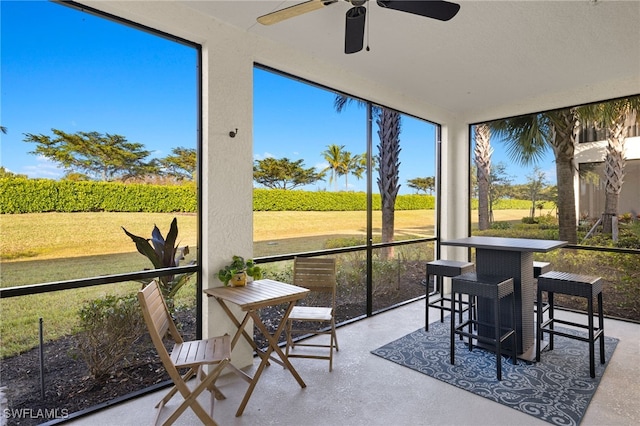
point(284, 200)
point(22, 195)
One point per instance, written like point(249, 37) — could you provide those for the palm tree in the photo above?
point(389, 151)
point(353, 164)
point(482, 155)
point(334, 156)
point(389, 124)
point(616, 117)
point(526, 138)
point(3, 130)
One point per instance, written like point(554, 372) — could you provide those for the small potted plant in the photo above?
point(235, 273)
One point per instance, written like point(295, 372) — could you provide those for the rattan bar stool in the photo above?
point(490, 288)
point(540, 268)
point(573, 285)
point(438, 269)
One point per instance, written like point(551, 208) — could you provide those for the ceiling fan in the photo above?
point(355, 18)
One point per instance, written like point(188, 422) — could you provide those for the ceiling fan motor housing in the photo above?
point(354, 29)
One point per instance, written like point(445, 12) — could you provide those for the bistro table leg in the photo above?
point(273, 345)
point(240, 326)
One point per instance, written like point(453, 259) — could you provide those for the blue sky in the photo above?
point(72, 71)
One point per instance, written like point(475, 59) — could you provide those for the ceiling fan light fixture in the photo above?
point(354, 29)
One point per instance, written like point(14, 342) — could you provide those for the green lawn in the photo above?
point(47, 247)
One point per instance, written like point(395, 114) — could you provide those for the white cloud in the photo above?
point(44, 168)
point(263, 156)
point(321, 166)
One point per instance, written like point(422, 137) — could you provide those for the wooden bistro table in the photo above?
point(510, 257)
point(255, 295)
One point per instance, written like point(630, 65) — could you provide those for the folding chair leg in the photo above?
point(190, 397)
point(189, 401)
point(174, 389)
point(212, 388)
point(289, 343)
point(333, 332)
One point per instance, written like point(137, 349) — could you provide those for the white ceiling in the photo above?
point(493, 57)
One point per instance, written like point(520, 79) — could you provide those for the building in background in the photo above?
point(590, 155)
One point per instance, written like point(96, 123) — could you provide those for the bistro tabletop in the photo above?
point(258, 293)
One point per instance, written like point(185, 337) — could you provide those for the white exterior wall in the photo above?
point(588, 201)
point(593, 152)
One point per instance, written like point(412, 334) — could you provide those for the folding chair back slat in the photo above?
point(319, 276)
point(315, 274)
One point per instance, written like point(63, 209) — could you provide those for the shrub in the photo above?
point(21, 195)
point(109, 326)
point(349, 241)
point(500, 225)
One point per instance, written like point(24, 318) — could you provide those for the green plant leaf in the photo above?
point(158, 242)
point(179, 283)
point(169, 244)
point(144, 248)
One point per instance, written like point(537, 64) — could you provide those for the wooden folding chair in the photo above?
point(319, 276)
point(215, 352)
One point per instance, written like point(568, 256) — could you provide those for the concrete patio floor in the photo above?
point(364, 389)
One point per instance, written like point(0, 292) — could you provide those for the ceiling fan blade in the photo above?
point(354, 29)
point(293, 11)
point(436, 9)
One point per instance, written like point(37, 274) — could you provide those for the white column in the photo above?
point(455, 189)
point(455, 180)
point(227, 187)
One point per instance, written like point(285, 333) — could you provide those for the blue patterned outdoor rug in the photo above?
point(557, 390)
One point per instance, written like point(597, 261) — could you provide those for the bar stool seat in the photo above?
point(490, 288)
point(540, 268)
point(574, 285)
point(438, 269)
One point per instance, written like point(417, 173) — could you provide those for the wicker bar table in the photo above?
point(510, 257)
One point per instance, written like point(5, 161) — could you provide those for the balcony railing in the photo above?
point(363, 291)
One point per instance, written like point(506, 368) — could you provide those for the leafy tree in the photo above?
point(499, 186)
point(536, 183)
point(284, 174)
point(423, 184)
point(76, 177)
point(6, 173)
point(105, 157)
point(181, 164)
